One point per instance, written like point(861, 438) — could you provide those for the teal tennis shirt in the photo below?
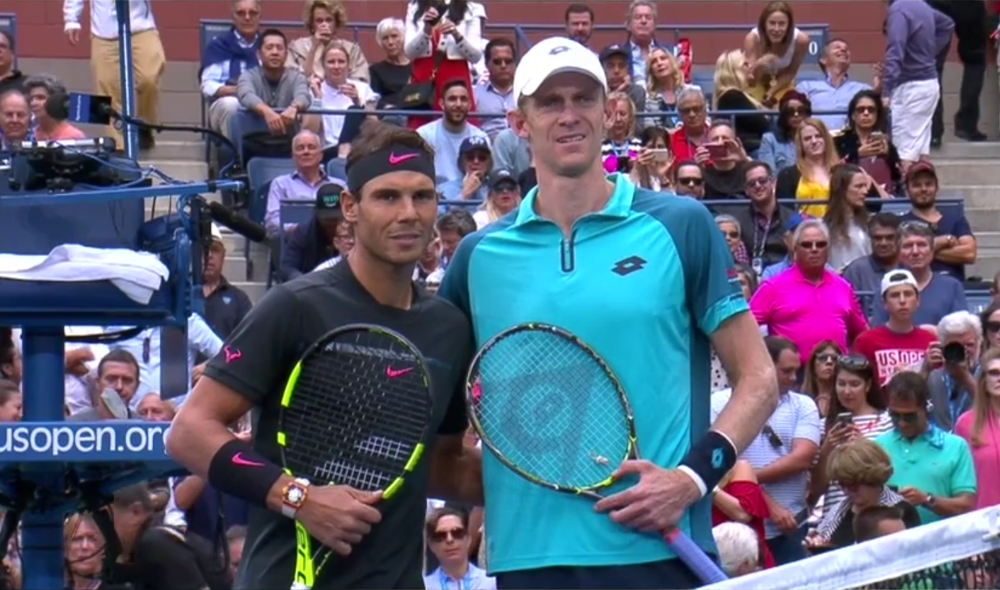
point(644, 282)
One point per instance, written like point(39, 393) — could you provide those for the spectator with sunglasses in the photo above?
point(856, 411)
point(940, 294)
point(898, 343)
point(448, 538)
point(932, 469)
point(783, 454)
point(990, 319)
point(861, 468)
point(688, 179)
point(785, 263)
point(475, 160)
point(787, 304)
point(865, 143)
point(817, 379)
point(764, 220)
point(777, 148)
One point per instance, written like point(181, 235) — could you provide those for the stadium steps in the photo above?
point(969, 170)
point(183, 160)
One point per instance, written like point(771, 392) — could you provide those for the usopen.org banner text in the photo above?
point(83, 441)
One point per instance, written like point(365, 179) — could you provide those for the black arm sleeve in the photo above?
point(456, 419)
point(259, 354)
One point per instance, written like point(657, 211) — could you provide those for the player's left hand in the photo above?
point(655, 504)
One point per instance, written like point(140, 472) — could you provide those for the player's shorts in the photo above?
point(669, 573)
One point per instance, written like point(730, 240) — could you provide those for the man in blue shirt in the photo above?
point(648, 282)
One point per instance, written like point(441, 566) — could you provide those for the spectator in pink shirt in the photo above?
point(980, 427)
point(38, 89)
point(808, 303)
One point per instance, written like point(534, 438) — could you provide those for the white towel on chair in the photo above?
point(137, 274)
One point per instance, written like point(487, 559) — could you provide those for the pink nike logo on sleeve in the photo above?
point(394, 159)
point(393, 373)
point(239, 460)
point(231, 355)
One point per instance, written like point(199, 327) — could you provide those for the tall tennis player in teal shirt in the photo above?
point(646, 279)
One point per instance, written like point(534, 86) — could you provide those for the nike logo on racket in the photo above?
point(394, 159)
point(393, 373)
point(239, 460)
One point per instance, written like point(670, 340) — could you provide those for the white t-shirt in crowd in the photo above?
point(333, 98)
point(446, 144)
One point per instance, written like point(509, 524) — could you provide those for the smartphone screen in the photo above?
point(845, 418)
point(661, 155)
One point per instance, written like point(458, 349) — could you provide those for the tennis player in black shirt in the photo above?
point(392, 203)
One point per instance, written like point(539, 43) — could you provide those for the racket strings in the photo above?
point(550, 408)
point(358, 411)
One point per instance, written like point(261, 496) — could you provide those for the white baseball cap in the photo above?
point(551, 56)
point(895, 278)
point(217, 233)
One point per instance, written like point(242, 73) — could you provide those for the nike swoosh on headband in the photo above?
point(394, 159)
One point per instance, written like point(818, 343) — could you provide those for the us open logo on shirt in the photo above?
point(893, 360)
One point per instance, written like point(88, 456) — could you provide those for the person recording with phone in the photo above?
point(723, 159)
point(864, 142)
point(954, 367)
point(324, 21)
point(652, 166)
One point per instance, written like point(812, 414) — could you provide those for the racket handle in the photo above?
point(694, 557)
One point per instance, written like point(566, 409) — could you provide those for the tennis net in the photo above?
point(962, 552)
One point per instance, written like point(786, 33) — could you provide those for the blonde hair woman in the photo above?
point(809, 178)
point(731, 94)
point(664, 81)
point(620, 147)
point(980, 427)
point(503, 197)
point(323, 20)
point(83, 545)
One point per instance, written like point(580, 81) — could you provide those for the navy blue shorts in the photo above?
point(669, 573)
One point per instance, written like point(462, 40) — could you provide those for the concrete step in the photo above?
point(983, 219)
point(953, 172)
point(984, 197)
point(988, 240)
point(181, 150)
point(987, 263)
point(958, 149)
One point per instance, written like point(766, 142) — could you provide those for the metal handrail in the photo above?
point(737, 202)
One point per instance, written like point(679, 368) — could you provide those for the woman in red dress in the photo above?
point(452, 28)
point(740, 499)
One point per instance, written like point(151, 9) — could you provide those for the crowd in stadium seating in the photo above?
point(821, 183)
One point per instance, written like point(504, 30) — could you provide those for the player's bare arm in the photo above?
point(201, 441)
point(755, 386)
point(456, 470)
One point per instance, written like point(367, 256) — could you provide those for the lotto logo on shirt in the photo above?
point(893, 360)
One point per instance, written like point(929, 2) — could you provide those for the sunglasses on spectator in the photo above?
point(914, 224)
point(442, 536)
point(993, 327)
point(865, 110)
point(827, 358)
point(772, 437)
point(691, 110)
point(732, 234)
point(757, 182)
point(820, 245)
point(799, 112)
point(853, 362)
point(477, 156)
point(501, 62)
point(904, 417)
point(691, 181)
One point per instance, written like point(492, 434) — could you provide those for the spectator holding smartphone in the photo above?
point(865, 143)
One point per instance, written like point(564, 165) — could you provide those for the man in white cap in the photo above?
point(898, 344)
point(664, 283)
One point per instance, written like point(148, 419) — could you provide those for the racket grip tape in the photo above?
point(693, 557)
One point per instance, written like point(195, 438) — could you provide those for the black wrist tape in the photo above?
point(238, 470)
point(711, 458)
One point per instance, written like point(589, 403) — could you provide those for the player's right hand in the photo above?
point(339, 516)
